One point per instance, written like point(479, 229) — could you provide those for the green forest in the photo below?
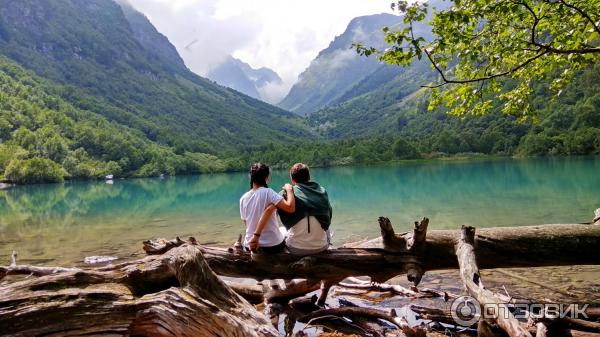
point(45, 139)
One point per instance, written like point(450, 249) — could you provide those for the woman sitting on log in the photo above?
point(263, 231)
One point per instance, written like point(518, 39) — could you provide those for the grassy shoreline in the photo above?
point(426, 159)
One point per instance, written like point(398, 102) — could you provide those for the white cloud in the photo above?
point(284, 35)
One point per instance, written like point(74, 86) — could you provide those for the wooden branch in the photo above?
point(446, 80)
point(325, 287)
point(581, 324)
point(258, 293)
point(395, 289)
point(582, 13)
point(566, 322)
point(434, 314)
point(13, 259)
point(34, 271)
point(161, 246)
point(354, 283)
point(352, 312)
point(541, 330)
point(469, 273)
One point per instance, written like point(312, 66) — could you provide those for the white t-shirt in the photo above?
point(252, 206)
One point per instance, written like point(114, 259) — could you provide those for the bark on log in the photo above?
point(527, 246)
point(175, 294)
point(519, 247)
point(469, 273)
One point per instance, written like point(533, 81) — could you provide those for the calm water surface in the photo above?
point(63, 223)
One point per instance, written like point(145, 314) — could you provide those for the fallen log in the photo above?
point(519, 247)
point(175, 294)
point(527, 246)
point(469, 273)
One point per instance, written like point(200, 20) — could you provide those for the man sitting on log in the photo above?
point(308, 226)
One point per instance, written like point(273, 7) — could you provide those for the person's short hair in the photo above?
point(300, 173)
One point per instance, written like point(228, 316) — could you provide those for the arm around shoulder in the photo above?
point(288, 204)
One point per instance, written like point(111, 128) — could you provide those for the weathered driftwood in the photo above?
point(445, 316)
point(552, 321)
point(527, 246)
point(354, 283)
point(518, 247)
point(413, 243)
point(140, 297)
point(175, 294)
point(273, 292)
point(469, 273)
point(411, 254)
point(351, 312)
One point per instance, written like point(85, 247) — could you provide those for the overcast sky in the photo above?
point(284, 35)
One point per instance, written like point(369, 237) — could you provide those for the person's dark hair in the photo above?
point(300, 173)
point(259, 173)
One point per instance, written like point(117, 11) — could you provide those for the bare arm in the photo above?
point(267, 213)
point(288, 204)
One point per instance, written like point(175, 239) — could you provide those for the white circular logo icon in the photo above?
point(465, 310)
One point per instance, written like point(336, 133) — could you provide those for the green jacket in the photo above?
point(311, 200)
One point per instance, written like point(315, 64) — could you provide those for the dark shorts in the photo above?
point(273, 249)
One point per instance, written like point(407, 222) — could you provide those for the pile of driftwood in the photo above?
point(175, 290)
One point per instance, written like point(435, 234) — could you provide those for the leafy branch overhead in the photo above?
point(494, 49)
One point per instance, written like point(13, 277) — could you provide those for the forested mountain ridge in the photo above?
point(43, 138)
point(111, 61)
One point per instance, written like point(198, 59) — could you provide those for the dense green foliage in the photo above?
point(45, 139)
point(390, 128)
point(478, 44)
point(114, 63)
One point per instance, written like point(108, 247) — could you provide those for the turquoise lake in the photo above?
point(63, 223)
